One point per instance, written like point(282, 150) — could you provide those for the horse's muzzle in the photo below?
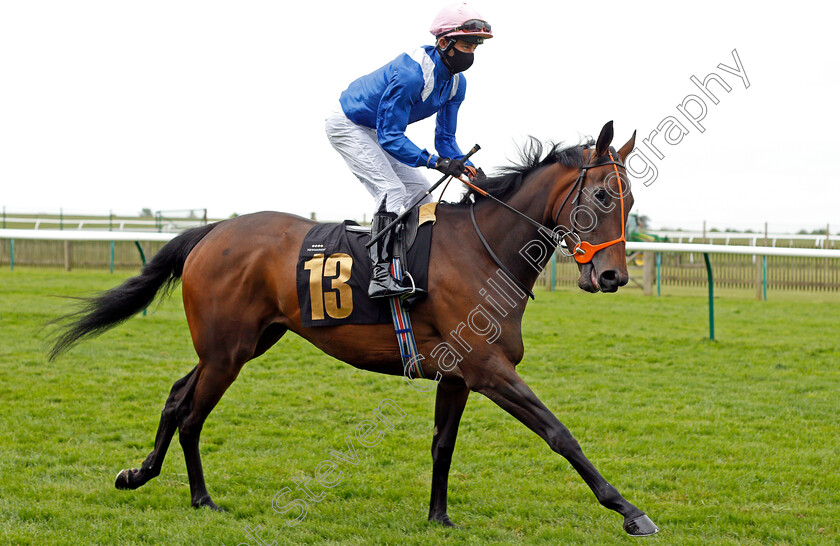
point(610, 280)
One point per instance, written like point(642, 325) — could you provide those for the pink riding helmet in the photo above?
point(461, 20)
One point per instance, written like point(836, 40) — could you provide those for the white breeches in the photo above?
point(398, 184)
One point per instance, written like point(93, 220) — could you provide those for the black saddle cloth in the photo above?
point(333, 272)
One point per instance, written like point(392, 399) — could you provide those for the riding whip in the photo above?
point(387, 228)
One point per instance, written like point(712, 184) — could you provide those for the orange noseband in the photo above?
point(584, 251)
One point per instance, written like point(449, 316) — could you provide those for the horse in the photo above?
point(239, 295)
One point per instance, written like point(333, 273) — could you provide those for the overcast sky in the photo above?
point(220, 105)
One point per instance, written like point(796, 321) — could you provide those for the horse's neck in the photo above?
point(517, 242)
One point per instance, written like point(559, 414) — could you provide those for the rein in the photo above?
point(496, 259)
point(502, 203)
point(583, 251)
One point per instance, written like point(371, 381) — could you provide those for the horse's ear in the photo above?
point(627, 148)
point(604, 139)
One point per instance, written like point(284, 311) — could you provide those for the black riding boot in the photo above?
point(382, 283)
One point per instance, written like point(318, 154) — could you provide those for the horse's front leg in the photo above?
point(509, 391)
point(451, 397)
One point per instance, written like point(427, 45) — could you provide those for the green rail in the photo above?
point(764, 280)
point(658, 274)
point(711, 296)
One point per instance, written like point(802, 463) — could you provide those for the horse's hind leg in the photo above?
point(150, 468)
point(213, 377)
point(213, 381)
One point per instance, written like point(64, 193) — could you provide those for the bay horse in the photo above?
point(239, 293)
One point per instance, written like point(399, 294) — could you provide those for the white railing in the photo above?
point(773, 238)
point(84, 235)
point(69, 235)
point(735, 249)
point(706, 249)
point(106, 224)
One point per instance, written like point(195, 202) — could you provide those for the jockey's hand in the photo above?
point(471, 172)
point(450, 167)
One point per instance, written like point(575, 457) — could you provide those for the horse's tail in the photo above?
point(112, 307)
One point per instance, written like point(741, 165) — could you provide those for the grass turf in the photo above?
point(726, 442)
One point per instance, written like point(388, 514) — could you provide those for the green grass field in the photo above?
point(727, 442)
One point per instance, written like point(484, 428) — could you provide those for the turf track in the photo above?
point(727, 442)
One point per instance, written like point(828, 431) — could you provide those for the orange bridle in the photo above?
point(584, 251)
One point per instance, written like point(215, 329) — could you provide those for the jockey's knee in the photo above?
point(394, 199)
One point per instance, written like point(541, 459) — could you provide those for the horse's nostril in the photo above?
point(609, 276)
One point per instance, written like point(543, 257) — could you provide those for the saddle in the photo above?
point(333, 269)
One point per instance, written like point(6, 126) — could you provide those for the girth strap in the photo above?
point(405, 334)
point(496, 259)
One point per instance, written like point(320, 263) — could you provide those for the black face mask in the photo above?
point(459, 61)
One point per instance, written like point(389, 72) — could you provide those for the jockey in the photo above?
point(369, 128)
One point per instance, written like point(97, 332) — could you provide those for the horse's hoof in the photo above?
point(640, 526)
point(207, 502)
point(122, 481)
point(445, 521)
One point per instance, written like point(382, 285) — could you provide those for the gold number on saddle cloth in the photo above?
point(338, 305)
point(344, 264)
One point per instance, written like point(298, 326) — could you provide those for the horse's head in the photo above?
point(592, 214)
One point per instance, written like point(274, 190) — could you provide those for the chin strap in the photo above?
point(445, 51)
point(450, 43)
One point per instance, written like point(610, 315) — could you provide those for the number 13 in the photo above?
point(338, 305)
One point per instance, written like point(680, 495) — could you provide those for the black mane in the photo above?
point(531, 157)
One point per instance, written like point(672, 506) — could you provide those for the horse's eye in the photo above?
point(601, 195)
